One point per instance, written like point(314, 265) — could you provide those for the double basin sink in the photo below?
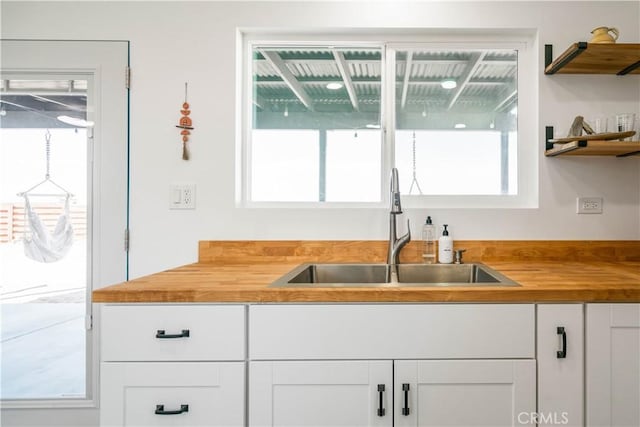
point(378, 275)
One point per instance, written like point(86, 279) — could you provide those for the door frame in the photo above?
point(98, 62)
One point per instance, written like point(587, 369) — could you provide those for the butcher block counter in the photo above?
point(241, 271)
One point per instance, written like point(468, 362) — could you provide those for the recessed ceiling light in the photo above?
point(334, 86)
point(372, 126)
point(448, 84)
point(460, 126)
point(75, 121)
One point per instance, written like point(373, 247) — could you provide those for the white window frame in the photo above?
point(390, 42)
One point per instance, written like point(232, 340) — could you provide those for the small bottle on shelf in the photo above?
point(429, 242)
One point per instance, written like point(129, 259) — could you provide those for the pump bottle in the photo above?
point(429, 242)
point(445, 247)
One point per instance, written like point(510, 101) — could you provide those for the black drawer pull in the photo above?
point(161, 334)
point(405, 409)
point(562, 354)
point(381, 410)
point(160, 410)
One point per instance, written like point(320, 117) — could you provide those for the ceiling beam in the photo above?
point(281, 68)
point(472, 65)
point(259, 101)
point(376, 81)
point(53, 101)
point(407, 76)
point(346, 78)
point(510, 96)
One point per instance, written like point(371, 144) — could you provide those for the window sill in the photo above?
point(47, 403)
point(311, 205)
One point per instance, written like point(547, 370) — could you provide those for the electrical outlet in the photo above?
point(182, 196)
point(589, 205)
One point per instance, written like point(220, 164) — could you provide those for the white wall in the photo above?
point(174, 42)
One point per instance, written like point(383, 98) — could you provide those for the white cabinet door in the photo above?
point(464, 392)
point(613, 364)
point(560, 336)
point(172, 394)
point(307, 393)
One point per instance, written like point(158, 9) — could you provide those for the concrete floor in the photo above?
point(42, 328)
point(43, 351)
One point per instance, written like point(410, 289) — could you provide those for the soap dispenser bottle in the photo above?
point(429, 242)
point(445, 247)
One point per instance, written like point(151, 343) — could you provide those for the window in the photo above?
point(315, 134)
point(456, 118)
point(326, 122)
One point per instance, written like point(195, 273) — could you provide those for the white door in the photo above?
point(613, 364)
point(91, 75)
point(172, 394)
point(464, 392)
point(560, 336)
point(306, 393)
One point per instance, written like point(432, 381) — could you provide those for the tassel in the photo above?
point(185, 153)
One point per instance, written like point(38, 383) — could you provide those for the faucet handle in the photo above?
point(459, 253)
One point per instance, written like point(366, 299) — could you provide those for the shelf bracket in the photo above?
point(632, 153)
point(565, 148)
point(628, 69)
point(548, 136)
point(548, 57)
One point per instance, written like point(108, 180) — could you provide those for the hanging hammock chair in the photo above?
point(39, 243)
point(42, 245)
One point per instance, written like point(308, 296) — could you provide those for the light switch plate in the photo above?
point(589, 205)
point(182, 196)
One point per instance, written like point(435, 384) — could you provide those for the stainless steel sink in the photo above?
point(377, 275)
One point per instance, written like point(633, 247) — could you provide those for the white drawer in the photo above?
point(134, 332)
point(200, 394)
point(398, 331)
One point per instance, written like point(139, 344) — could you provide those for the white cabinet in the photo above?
point(327, 393)
point(140, 332)
point(289, 386)
point(361, 393)
point(172, 394)
point(391, 331)
point(177, 365)
point(560, 356)
point(464, 392)
point(613, 364)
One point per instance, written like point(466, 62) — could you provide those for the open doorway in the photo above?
point(43, 288)
point(63, 213)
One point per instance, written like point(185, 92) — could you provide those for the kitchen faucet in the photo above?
point(395, 244)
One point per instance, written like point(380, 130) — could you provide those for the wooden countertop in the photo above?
point(574, 281)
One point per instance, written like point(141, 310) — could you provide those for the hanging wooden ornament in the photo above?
point(185, 125)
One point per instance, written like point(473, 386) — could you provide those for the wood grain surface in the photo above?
point(576, 271)
point(600, 59)
point(298, 251)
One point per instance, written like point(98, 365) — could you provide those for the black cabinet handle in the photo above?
point(381, 410)
point(405, 409)
point(161, 334)
point(562, 354)
point(160, 410)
